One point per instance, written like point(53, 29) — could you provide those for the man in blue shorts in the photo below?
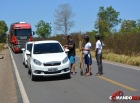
point(71, 53)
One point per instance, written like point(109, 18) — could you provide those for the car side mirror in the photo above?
point(28, 53)
point(23, 49)
point(33, 33)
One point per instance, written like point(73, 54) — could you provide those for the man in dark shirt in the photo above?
point(71, 53)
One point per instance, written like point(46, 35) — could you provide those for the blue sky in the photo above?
point(32, 11)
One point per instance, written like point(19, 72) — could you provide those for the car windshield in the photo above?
point(29, 46)
point(47, 48)
point(25, 32)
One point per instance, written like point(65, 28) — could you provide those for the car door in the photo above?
point(23, 53)
point(29, 57)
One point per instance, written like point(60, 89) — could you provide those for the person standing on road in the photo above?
point(87, 55)
point(71, 54)
point(98, 54)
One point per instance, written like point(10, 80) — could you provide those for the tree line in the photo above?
point(122, 41)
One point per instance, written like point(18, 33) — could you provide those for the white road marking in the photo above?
point(21, 87)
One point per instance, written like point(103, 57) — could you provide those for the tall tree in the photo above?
point(3, 30)
point(103, 28)
point(63, 15)
point(107, 19)
point(43, 29)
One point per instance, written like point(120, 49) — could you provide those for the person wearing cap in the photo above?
point(87, 53)
point(71, 54)
point(98, 54)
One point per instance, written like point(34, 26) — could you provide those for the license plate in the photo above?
point(23, 37)
point(52, 69)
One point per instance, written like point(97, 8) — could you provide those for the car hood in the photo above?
point(50, 57)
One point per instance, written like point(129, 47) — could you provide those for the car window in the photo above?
point(29, 46)
point(47, 48)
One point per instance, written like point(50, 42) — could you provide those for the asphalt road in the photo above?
point(81, 89)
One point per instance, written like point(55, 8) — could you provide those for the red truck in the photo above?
point(19, 34)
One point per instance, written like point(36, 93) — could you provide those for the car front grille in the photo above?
point(59, 71)
point(53, 63)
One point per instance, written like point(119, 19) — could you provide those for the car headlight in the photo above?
point(37, 62)
point(65, 59)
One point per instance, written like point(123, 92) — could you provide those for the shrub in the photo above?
point(1, 46)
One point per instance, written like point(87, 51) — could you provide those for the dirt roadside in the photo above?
point(9, 91)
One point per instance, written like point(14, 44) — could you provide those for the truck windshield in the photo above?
point(47, 48)
point(24, 32)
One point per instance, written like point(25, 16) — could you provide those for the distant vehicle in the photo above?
point(28, 47)
point(48, 58)
point(19, 34)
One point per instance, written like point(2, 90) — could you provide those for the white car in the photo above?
point(28, 47)
point(48, 58)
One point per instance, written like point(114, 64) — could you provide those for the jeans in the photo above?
point(99, 63)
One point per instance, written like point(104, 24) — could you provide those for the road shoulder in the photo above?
point(9, 92)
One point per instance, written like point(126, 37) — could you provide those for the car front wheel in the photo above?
point(33, 77)
point(67, 76)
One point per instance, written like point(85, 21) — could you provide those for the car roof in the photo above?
point(46, 41)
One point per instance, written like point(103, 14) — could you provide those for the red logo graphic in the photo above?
point(119, 95)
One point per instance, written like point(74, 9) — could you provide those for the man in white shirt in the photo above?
point(98, 54)
point(87, 55)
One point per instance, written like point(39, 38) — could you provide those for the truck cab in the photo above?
point(19, 34)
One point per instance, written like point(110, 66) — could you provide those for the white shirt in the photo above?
point(87, 46)
point(99, 46)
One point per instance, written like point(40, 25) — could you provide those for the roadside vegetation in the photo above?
point(121, 45)
point(1, 46)
point(110, 56)
point(116, 49)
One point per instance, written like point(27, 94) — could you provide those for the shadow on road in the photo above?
point(55, 78)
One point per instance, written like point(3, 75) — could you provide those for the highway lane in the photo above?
point(80, 89)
